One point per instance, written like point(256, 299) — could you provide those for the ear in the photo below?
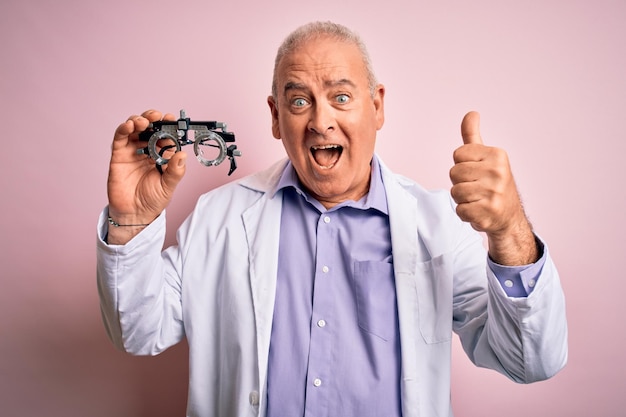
point(379, 105)
point(274, 111)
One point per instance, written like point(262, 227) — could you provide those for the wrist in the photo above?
point(123, 228)
point(116, 224)
point(514, 247)
point(116, 219)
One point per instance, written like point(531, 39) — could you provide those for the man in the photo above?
point(327, 285)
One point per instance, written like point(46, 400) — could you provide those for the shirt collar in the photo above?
point(375, 198)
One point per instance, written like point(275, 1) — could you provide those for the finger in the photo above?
point(468, 171)
point(470, 128)
point(467, 192)
point(124, 131)
point(474, 214)
point(152, 115)
point(175, 170)
point(155, 116)
point(140, 123)
point(169, 117)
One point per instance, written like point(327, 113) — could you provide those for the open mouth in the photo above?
point(326, 156)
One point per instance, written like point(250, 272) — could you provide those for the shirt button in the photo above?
point(531, 283)
point(317, 382)
point(321, 323)
point(325, 269)
point(508, 283)
point(326, 219)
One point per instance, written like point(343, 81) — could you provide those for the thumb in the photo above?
point(175, 170)
point(470, 128)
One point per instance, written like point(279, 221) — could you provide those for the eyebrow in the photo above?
point(292, 85)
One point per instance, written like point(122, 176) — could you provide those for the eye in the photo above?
point(342, 98)
point(299, 102)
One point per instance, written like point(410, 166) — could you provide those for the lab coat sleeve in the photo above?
point(524, 338)
point(140, 290)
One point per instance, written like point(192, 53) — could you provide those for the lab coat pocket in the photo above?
point(375, 294)
point(434, 295)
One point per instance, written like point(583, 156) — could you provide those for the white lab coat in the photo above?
point(217, 288)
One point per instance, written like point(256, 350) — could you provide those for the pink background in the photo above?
point(549, 79)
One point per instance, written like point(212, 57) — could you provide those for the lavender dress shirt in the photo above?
point(335, 343)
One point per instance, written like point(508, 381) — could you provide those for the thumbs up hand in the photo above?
point(486, 195)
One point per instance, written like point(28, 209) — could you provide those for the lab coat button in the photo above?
point(254, 398)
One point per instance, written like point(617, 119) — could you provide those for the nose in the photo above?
point(322, 119)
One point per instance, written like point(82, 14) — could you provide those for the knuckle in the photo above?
point(454, 192)
point(457, 155)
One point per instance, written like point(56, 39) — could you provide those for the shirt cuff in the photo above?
point(519, 281)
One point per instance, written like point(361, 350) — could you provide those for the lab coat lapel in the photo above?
point(262, 228)
point(406, 249)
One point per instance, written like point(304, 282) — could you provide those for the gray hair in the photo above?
point(316, 30)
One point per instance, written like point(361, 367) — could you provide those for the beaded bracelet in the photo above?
point(116, 224)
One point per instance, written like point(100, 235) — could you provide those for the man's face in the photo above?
point(327, 119)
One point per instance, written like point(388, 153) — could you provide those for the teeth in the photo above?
point(326, 155)
point(317, 147)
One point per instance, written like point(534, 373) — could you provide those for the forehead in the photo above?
point(322, 60)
